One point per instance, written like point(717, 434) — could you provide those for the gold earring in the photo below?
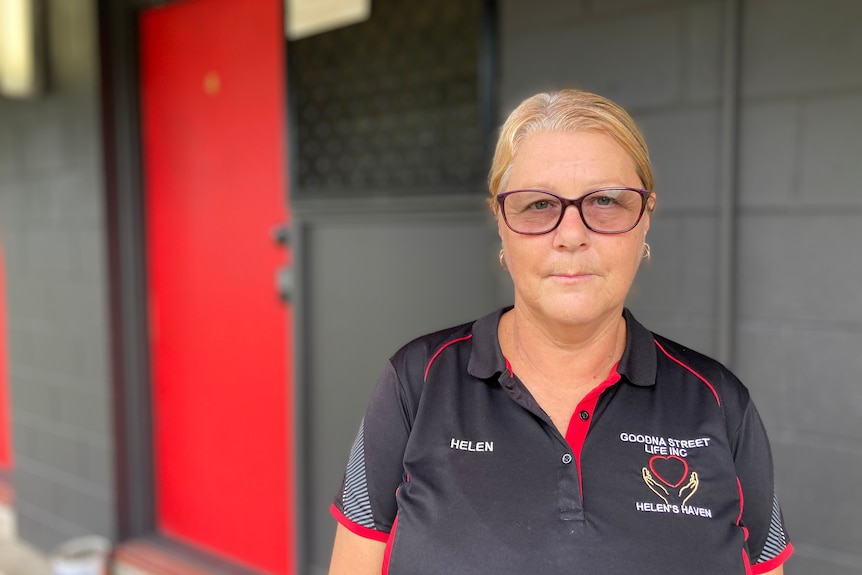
point(503, 261)
point(647, 254)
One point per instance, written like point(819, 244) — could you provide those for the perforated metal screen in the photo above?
point(392, 106)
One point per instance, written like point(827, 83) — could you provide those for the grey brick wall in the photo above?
point(798, 316)
point(53, 231)
point(800, 304)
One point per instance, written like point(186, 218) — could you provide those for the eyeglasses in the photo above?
point(604, 211)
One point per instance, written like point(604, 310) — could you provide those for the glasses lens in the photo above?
point(609, 211)
point(612, 210)
point(530, 212)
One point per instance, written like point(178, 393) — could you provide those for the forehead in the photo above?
point(570, 160)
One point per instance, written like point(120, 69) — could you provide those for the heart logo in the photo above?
point(668, 468)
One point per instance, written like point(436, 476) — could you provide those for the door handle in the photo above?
point(285, 285)
point(281, 235)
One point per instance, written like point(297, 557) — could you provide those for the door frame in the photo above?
point(124, 191)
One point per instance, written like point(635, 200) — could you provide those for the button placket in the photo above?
point(569, 501)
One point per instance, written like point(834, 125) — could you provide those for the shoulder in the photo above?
point(414, 358)
point(467, 350)
point(674, 359)
point(430, 343)
point(464, 349)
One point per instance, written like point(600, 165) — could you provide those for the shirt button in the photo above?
point(585, 415)
point(567, 458)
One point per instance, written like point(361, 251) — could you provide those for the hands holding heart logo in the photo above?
point(665, 475)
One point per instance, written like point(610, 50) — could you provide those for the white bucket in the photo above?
point(81, 556)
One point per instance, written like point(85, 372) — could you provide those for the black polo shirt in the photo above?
point(665, 467)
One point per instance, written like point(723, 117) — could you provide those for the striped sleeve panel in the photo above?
point(355, 499)
point(776, 541)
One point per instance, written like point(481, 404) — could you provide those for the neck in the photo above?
point(567, 356)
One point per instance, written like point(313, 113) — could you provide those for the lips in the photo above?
point(571, 276)
point(571, 267)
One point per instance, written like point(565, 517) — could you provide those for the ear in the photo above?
point(649, 211)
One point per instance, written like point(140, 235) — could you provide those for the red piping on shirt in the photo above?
point(767, 566)
point(444, 346)
point(747, 562)
point(690, 369)
point(741, 501)
point(576, 433)
point(387, 553)
point(741, 508)
point(360, 530)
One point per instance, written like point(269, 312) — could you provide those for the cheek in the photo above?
point(624, 259)
point(521, 259)
point(509, 240)
point(508, 250)
point(634, 255)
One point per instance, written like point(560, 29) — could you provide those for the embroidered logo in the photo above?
point(668, 475)
point(665, 474)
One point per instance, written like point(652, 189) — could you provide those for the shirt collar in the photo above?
point(637, 365)
point(486, 358)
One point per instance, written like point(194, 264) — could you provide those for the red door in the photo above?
point(213, 117)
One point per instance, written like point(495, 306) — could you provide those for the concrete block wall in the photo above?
point(798, 316)
point(800, 288)
point(53, 231)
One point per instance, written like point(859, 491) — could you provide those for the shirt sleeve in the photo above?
point(768, 542)
point(366, 504)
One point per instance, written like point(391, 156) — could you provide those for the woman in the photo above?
point(559, 435)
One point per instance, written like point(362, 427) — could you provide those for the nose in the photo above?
point(572, 232)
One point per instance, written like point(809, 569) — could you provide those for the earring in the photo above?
point(503, 261)
point(647, 254)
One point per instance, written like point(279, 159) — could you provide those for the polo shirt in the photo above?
point(665, 467)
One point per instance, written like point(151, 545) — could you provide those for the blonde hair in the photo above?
point(567, 111)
